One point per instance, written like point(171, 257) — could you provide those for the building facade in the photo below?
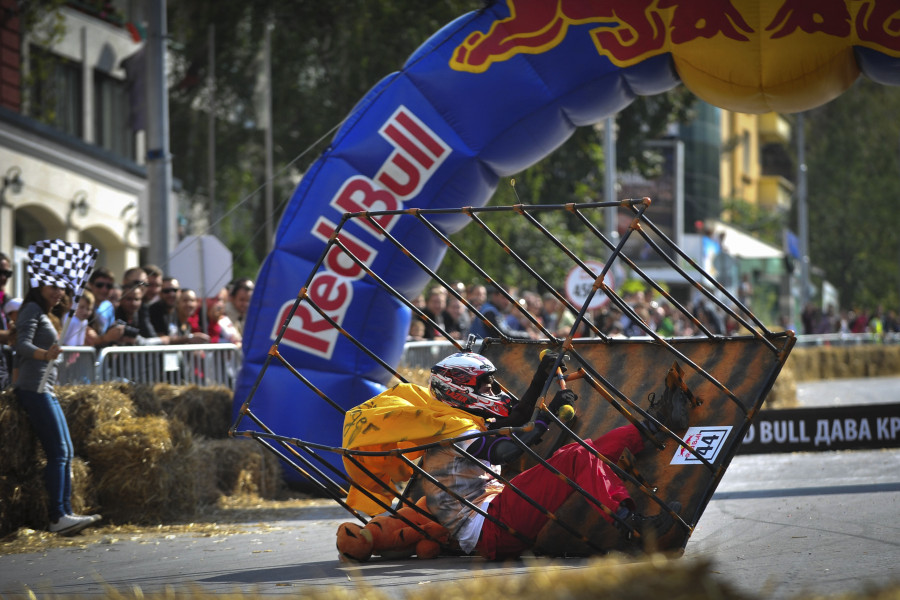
point(70, 156)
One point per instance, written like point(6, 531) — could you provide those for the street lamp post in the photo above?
point(802, 214)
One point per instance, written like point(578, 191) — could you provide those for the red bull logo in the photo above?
point(748, 50)
point(633, 30)
point(417, 153)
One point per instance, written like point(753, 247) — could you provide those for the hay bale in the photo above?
point(205, 410)
point(23, 494)
point(144, 398)
point(144, 468)
point(24, 503)
point(23, 499)
point(798, 363)
point(243, 467)
point(784, 393)
point(840, 363)
point(165, 393)
point(205, 473)
point(19, 443)
point(88, 406)
point(84, 492)
point(418, 375)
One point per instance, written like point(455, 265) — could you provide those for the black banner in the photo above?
point(858, 427)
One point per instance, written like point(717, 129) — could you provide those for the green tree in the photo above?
point(574, 173)
point(767, 224)
point(854, 183)
point(325, 57)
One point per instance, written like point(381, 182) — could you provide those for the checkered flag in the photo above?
point(61, 264)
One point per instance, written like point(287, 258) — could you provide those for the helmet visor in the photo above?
point(484, 385)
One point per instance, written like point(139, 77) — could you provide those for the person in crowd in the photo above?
point(101, 284)
point(5, 354)
point(550, 308)
point(828, 321)
point(476, 294)
point(495, 310)
point(154, 285)
point(456, 318)
point(228, 331)
point(138, 329)
point(463, 398)
point(163, 315)
point(239, 296)
point(876, 322)
point(187, 306)
point(37, 350)
point(11, 310)
point(416, 330)
point(665, 325)
point(419, 302)
point(215, 310)
point(115, 294)
point(516, 319)
point(435, 303)
point(135, 276)
point(857, 325)
point(77, 332)
point(745, 291)
point(5, 273)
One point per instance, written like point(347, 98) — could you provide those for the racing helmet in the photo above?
point(465, 380)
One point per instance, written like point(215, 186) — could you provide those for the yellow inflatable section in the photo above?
point(751, 56)
point(790, 61)
point(757, 56)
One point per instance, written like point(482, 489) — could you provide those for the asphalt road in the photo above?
point(777, 526)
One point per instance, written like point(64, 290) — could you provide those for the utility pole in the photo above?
point(211, 126)
point(159, 159)
point(802, 215)
point(611, 216)
point(269, 192)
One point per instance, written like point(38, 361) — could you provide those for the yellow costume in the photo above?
point(404, 416)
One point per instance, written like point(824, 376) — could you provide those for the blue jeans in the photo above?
point(49, 424)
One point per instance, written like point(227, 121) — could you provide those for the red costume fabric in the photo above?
point(540, 484)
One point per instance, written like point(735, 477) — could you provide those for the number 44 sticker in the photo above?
point(705, 441)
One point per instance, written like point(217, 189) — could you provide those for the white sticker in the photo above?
point(171, 362)
point(705, 441)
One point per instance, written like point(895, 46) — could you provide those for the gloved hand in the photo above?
point(561, 399)
point(546, 367)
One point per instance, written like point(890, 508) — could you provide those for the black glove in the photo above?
point(562, 398)
point(546, 367)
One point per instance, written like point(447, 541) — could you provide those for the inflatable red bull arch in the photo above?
point(490, 94)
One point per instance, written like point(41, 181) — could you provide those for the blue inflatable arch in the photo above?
point(487, 96)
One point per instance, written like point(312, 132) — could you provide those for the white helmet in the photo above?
point(465, 380)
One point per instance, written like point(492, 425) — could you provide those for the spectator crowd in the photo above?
point(145, 308)
point(814, 320)
point(443, 311)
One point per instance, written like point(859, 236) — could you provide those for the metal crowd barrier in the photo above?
point(218, 364)
point(189, 364)
point(78, 365)
point(424, 355)
point(847, 339)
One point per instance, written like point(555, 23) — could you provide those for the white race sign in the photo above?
point(579, 283)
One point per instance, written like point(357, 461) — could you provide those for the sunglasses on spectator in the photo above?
point(169, 290)
point(103, 284)
point(5, 273)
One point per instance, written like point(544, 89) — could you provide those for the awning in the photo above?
point(741, 245)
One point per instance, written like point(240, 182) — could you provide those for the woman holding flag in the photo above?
point(37, 351)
